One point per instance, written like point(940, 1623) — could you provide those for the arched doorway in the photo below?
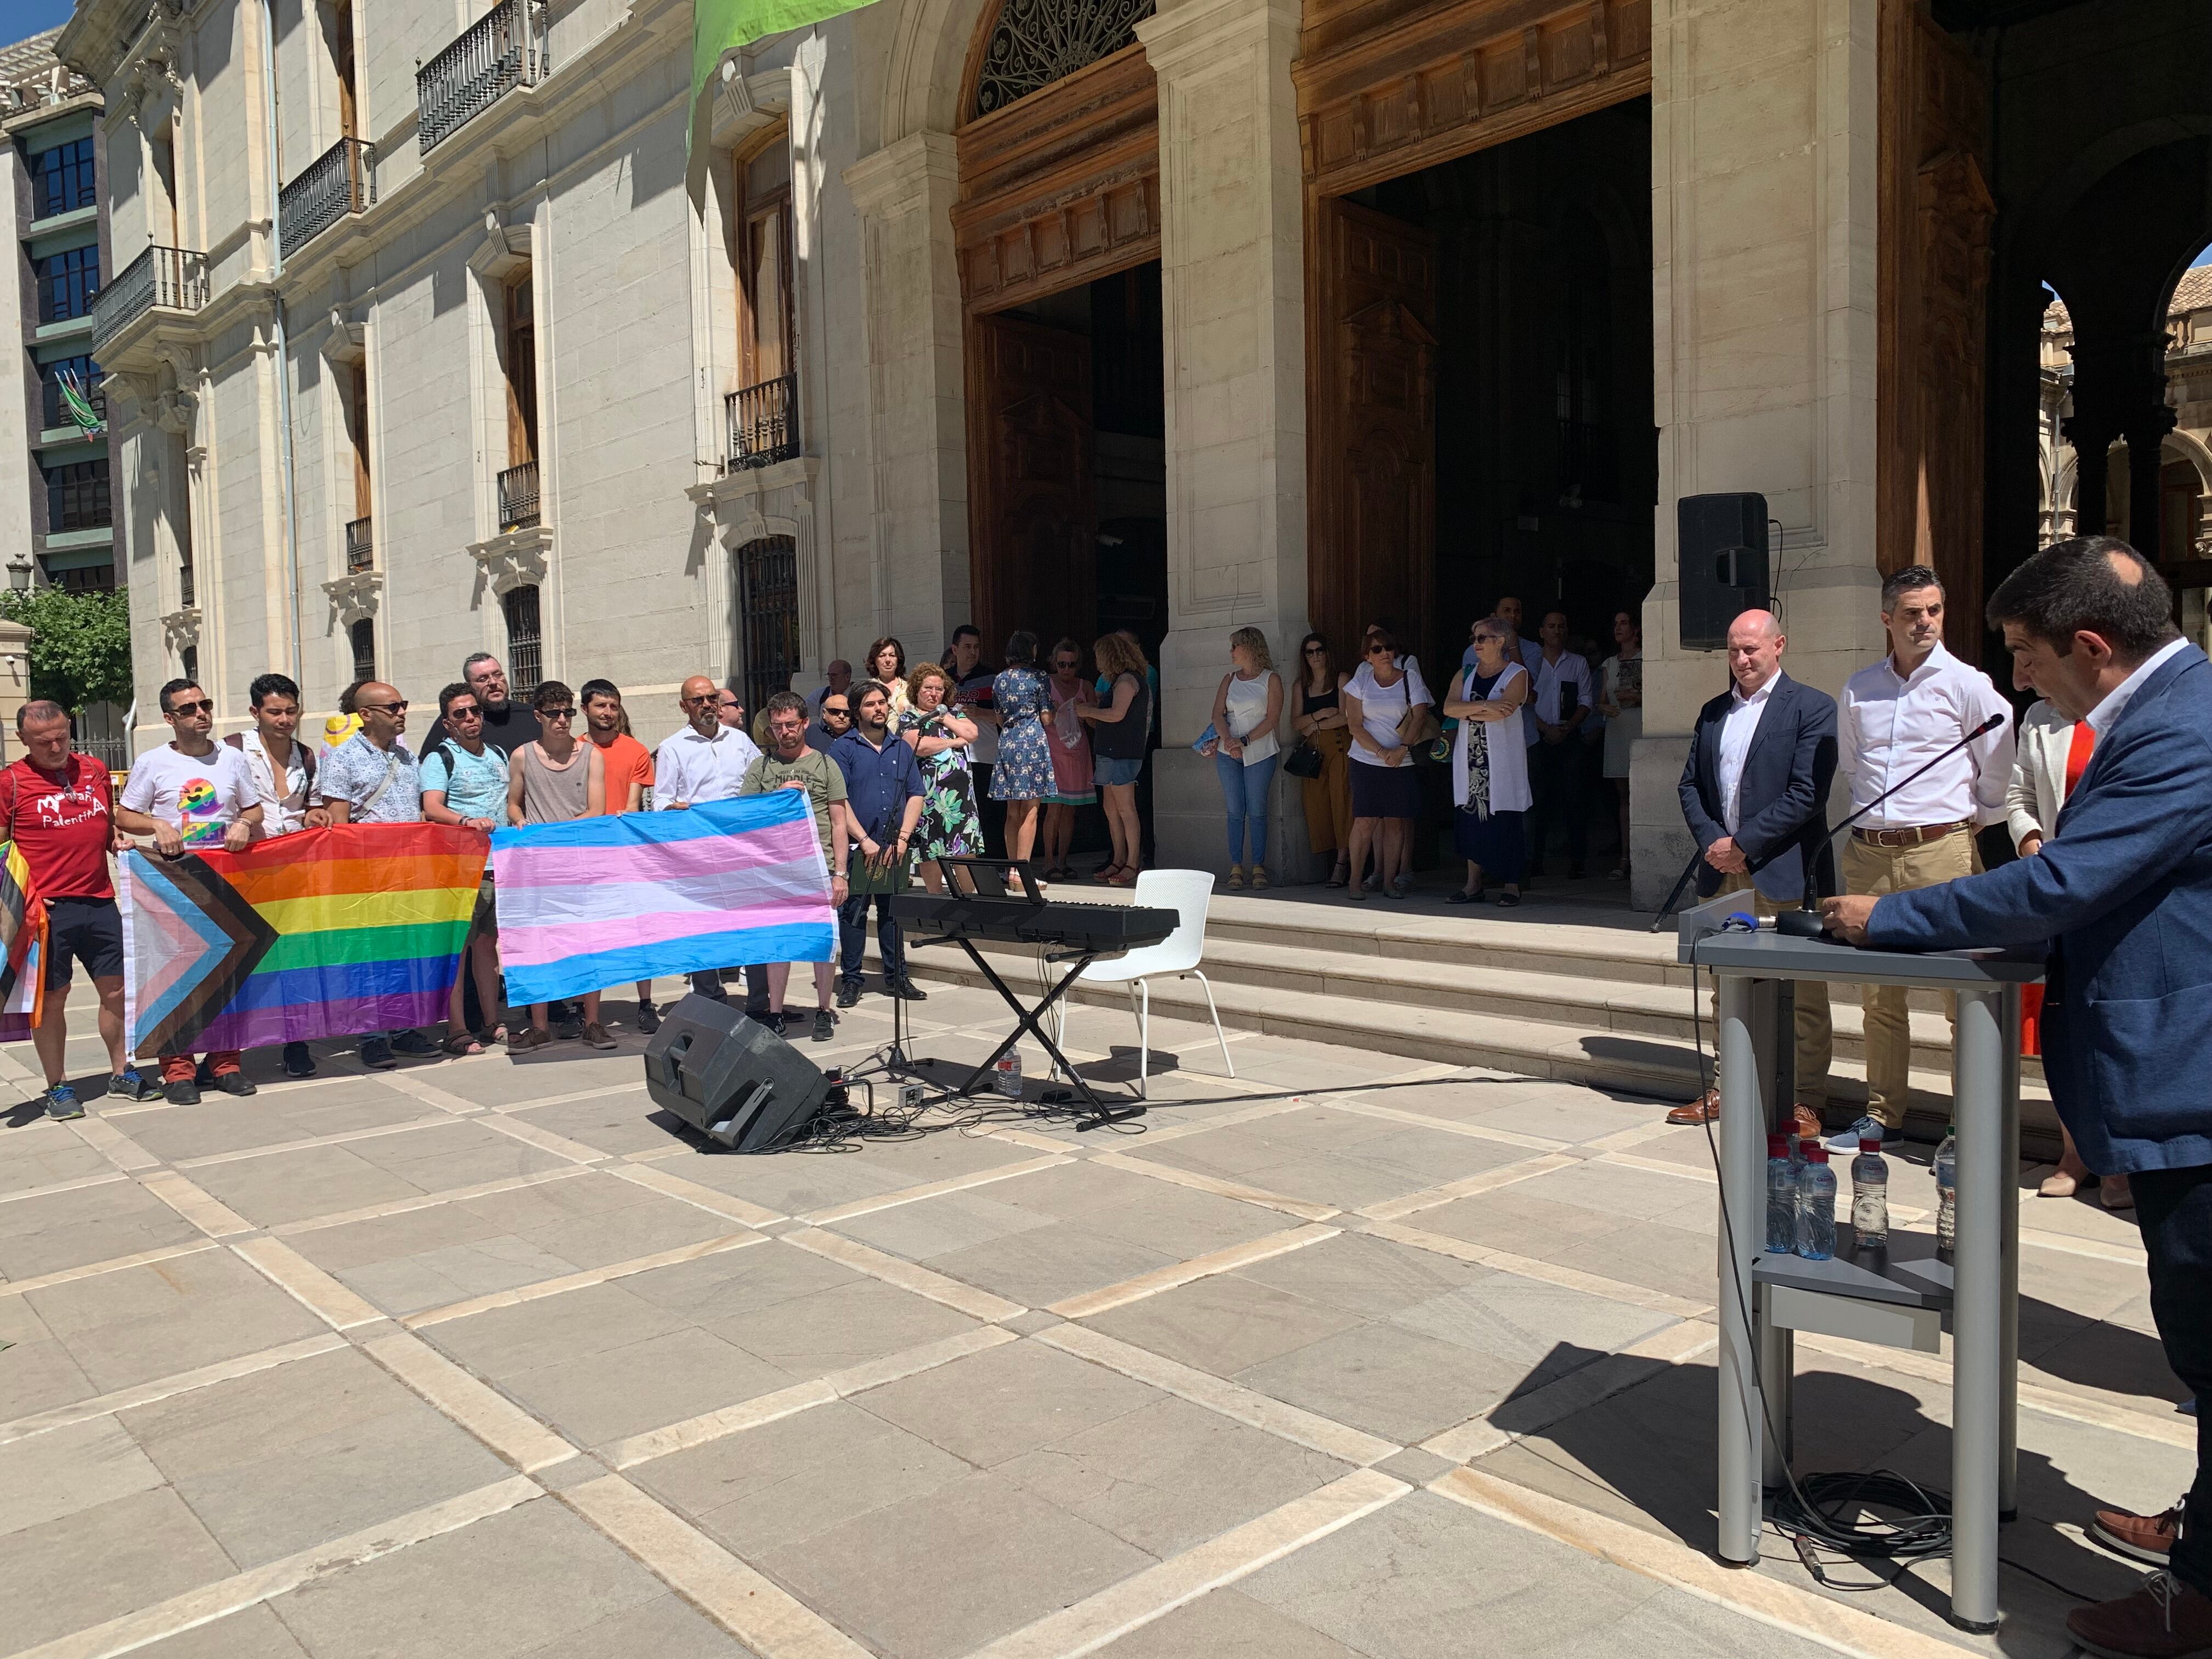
point(1057, 235)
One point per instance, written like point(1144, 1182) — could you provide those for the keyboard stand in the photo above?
point(1031, 1021)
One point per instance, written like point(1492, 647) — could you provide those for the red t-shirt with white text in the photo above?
point(64, 827)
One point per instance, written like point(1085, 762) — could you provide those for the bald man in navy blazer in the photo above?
point(1755, 792)
point(2122, 894)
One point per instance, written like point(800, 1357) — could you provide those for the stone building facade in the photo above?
point(56, 514)
point(460, 333)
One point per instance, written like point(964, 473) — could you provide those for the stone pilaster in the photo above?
point(1233, 282)
point(917, 435)
point(1764, 235)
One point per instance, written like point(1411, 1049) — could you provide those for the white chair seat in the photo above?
point(1188, 893)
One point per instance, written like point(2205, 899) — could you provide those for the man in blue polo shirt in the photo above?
point(884, 793)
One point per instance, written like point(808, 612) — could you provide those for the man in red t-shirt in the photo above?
point(629, 774)
point(58, 807)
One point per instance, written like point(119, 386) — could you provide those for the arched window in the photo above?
point(525, 644)
point(767, 613)
point(1033, 43)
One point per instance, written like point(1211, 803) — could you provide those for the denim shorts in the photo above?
point(1106, 769)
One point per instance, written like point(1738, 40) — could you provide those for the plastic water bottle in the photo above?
point(1006, 1076)
point(1870, 1196)
point(1816, 1206)
point(1781, 1197)
point(1946, 1192)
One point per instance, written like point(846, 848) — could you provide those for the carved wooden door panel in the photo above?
point(1373, 465)
point(1032, 515)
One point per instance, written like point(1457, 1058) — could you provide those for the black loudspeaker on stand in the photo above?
point(1721, 560)
point(731, 1077)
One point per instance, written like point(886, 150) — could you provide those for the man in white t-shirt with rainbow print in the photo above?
point(192, 795)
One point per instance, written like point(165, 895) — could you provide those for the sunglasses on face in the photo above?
point(1315, 650)
point(205, 706)
point(700, 702)
point(836, 714)
point(1378, 650)
point(399, 707)
point(468, 712)
point(555, 714)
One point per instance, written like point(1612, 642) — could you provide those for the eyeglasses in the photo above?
point(205, 706)
point(1378, 651)
point(470, 712)
point(1316, 651)
point(830, 713)
point(555, 714)
point(399, 707)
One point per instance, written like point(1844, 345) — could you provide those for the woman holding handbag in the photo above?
point(1381, 702)
point(1247, 709)
point(1322, 759)
point(1490, 768)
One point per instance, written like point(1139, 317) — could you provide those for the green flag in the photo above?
point(79, 411)
point(718, 25)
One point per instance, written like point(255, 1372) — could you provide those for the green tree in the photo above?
point(81, 644)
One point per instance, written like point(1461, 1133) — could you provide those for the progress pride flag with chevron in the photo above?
point(597, 903)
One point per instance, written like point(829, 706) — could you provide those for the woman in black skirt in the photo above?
point(1386, 795)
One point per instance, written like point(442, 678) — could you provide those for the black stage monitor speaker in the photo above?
point(1721, 541)
point(731, 1077)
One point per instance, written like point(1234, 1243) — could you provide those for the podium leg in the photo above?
point(2008, 1310)
point(1745, 1052)
point(1978, 1315)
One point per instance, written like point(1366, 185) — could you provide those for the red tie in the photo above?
point(2077, 754)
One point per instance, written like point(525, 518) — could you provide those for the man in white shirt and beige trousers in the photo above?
point(1894, 718)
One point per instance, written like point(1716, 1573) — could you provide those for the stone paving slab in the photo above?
point(1198, 1385)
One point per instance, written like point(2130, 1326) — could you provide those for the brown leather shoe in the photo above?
point(596, 1036)
point(2139, 1537)
point(1807, 1122)
point(1705, 1108)
point(2164, 1619)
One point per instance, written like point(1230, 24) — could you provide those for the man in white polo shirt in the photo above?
point(1893, 719)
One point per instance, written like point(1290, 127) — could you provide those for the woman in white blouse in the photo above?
point(1386, 795)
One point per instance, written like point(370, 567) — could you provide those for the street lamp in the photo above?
point(19, 573)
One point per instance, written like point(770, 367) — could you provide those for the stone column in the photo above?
point(2146, 435)
point(917, 428)
point(1764, 219)
point(1233, 283)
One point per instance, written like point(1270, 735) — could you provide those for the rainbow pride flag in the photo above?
point(22, 946)
point(326, 933)
point(597, 903)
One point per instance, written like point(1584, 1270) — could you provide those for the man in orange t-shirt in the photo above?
point(629, 774)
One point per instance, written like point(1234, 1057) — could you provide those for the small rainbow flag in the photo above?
point(22, 946)
point(326, 933)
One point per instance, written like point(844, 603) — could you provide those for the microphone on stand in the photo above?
point(1806, 923)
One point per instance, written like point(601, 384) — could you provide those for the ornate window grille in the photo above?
point(768, 600)
point(525, 644)
point(1037, 42)
point(763, 423)
point(359, 546)
point(363, 636)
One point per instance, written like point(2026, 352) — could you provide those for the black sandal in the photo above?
point(1508, 899)
point(1460, 896)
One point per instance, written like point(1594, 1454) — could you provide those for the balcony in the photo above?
point(360, 547)
point(160, 278)
point(186, 596)
point(763, 423)
point(339, 182)
point(518, 498)
point(503, 48)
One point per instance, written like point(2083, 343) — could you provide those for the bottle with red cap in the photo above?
point(1816, 1206)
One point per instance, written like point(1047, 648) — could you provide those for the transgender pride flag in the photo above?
point(603, 901)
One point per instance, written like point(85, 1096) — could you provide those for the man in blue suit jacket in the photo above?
point(2123, 892)
point(1753, 793)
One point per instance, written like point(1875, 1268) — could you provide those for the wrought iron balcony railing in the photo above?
point(360, 546)
point(503, 48)
point(763, 423)
point(518, 497)
point(339, 182)
point(173, 279)
point(184, 584)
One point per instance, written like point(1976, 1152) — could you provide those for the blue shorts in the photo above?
point(1105, 769)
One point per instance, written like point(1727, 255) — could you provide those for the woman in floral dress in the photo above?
point(1022, 776)
point(940, 735)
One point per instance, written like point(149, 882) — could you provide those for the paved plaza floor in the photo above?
point(1345, 1356)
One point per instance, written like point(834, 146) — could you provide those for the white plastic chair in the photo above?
point(1188, 893)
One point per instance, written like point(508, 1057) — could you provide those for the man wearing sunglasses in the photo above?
point(373, 778)
point(833, 719)
point(192, 795)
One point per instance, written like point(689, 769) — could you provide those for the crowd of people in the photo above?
point(900, 769)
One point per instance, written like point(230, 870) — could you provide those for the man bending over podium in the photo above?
point(2123, 892)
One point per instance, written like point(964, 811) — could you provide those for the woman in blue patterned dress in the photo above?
point(1022, 776)
point(940, 735)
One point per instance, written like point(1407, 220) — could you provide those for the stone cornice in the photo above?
point(517, 559)
point(1193, 31)
point(899, 175)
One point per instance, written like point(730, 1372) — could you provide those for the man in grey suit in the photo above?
point(2122, 893)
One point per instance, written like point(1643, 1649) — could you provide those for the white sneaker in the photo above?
point(1848, 1139)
